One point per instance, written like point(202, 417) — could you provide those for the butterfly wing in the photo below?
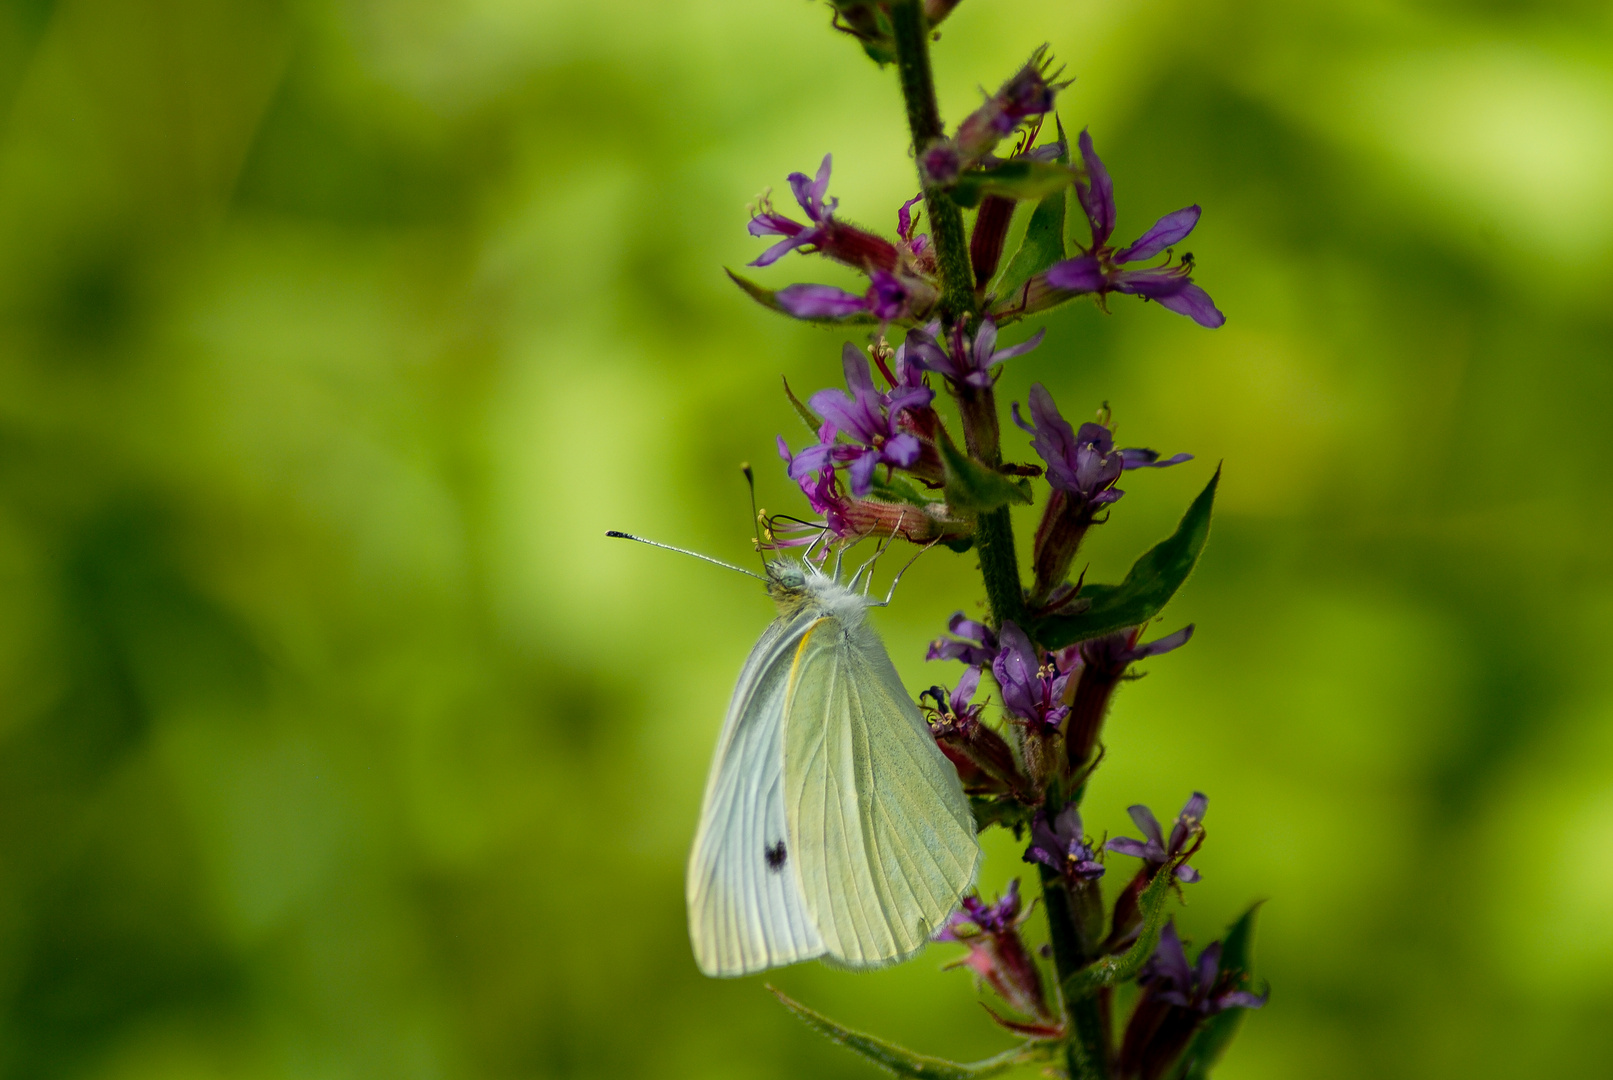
point(883, 834)
point(746, 912)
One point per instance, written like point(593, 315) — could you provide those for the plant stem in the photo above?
point(978, 406)
point(1087, 1051)
point(912, 31)
point(1087, 1047)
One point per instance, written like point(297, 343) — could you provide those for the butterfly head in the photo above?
point(787, 584)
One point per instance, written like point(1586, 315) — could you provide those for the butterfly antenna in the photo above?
point(683, 551)
point(897, 579)
point(755, 514)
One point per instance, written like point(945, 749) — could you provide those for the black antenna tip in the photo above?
point(744, 467)
point(620, 535)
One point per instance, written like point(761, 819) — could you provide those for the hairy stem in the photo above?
point(1087, 1050)
point(924, 120)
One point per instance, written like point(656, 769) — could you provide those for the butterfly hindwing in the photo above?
point(746, 911)
point(884, 835)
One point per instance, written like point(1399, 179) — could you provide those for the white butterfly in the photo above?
point(832, 825)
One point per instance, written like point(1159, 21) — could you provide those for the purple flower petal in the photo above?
point(1196, 805)
point(809, 193)
point(862, 472)
point(900, 400)
point(1168, 230)
point(1054, 440)
point(1147, 822)
point(1160, 646)
point(1097, 195)
point(1037, 853)
point(809, 460)
point(1015, 668)
point(1155, 284)
point(1021, 349)
point(783, 247)
point(964, 692)
point(974, 631)
point(1240, 999)
point(1170, 961)
point(901, 451)
point(1208, 965)
point(904, 217)
point(1125, 845)
point(1196, 304)
point(985, 339)
point(1187, 875)
point(859, 379)
point(819, 301)
point(1081, 274)
point(1136, 458)
point(922, 350)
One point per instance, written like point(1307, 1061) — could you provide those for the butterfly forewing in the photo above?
point(885, 837)
point(746, 912)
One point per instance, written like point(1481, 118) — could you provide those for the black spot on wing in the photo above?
point(775, 856)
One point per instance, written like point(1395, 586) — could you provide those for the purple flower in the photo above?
point(1082, 467)
point(1061, 844)
point(844, 243)
point(998, 957)
point(1083, 464)
point(1176, 999)
point(1156, 851)
point(1111, 654)
point(810, 194)
point(984, 760)
point(965, 362)
point(977, 649)
point(1168, 978)
point(952, 713)
point(1100, 269)
point(866, 417)
point(1033, 690)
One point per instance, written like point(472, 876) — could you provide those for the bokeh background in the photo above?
point(336, 741)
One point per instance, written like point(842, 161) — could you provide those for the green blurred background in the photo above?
point(335, 740)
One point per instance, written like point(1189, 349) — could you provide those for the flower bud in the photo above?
point(998, 956)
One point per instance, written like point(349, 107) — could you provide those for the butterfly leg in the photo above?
point(897, 579)
point(869, 566)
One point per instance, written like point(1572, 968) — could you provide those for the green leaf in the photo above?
point(768, 298)
point(1117, 969)
point(1148, 587)
point(1212, 1040)
point(904, 1062)
point(1017, 179)
point(1043, 244)
point(808, 417)
point(972, 487)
